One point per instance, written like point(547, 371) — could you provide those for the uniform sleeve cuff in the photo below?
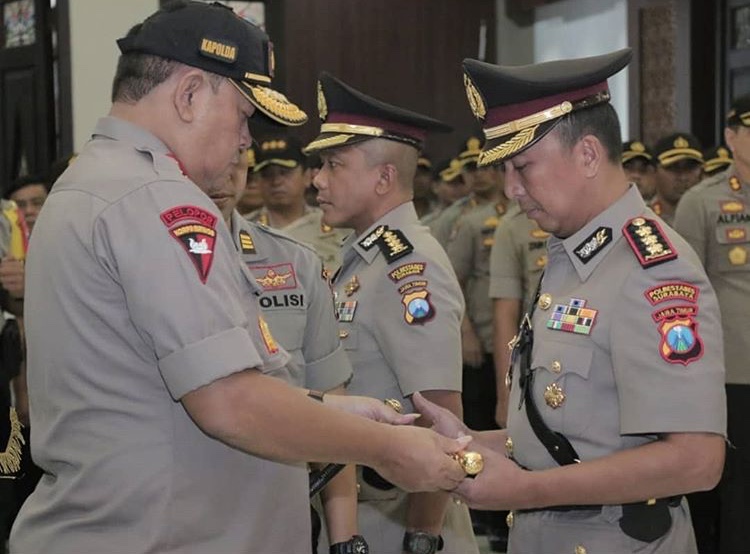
point(207, 360)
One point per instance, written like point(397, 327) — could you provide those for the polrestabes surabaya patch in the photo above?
point(195, 229)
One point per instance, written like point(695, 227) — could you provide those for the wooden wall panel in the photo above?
point(404, 52)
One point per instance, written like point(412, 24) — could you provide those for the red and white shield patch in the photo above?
point(195, 229)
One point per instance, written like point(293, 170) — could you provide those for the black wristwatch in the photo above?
point(356, 545)
point(419, 542)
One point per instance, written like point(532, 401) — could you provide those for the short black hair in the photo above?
point(25, 181)
point(601, 121)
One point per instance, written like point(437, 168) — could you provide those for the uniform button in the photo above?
point(556, 366)
point(509, 520)
point(580, 549)
point(343, 334)
point(545, 301)
point(554, 396)
point(509, 446)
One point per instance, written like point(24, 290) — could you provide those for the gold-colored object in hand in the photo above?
point(395, 404)
point(471, 462)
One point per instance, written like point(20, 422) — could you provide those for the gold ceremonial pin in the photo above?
point(393, 403)
point(471, 462)
point(352, 286)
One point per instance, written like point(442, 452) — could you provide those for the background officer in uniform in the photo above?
point(518, 257)
point(716, 160)
point(399, 304)
point(622, 344)
point(283, 176)
point(296, 300)
point(449, 187)
point(152, 410)
point(638, 164)
point(679, 166)
point(714, 217)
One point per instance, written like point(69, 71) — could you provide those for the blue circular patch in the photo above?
point(419, 308)
point(680, 338)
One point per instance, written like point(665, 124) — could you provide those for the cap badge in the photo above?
point(722, 153)
point(475, 99)
point(322, 105)
point(218, 50)
point(473, 145)
point(637, 147)
point(681, 142)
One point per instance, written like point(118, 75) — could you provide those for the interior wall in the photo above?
point(94, 27)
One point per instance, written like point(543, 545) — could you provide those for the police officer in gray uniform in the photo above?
point(399, 303)
point(622, 344)
point(714, 218)
point(295, 297)
point(154, 419)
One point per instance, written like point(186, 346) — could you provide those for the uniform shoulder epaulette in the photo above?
point(392, 243)
point(648, 241)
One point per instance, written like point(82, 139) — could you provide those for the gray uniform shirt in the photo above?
point(297, 302)
point(400, 307)
point(622, 353)
point(310, 229)
point(132, 282)
point(469, 251)
point(442, 226)
point(714, 217)
point(518, 257)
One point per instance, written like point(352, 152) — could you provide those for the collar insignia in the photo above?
point(593, 244)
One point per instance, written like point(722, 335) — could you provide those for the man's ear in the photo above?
point(185, 94)
point(387, 178)
point(590, 154)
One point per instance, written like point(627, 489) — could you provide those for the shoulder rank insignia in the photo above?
point(593, 244)
point(734, 183)
point(246, 243)
point(648, 242)
point(394, 245)
point(418, 309)
point(195, 229)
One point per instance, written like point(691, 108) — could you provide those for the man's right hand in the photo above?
point(420, 460)
point(370, 408)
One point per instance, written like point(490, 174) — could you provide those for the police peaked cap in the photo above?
point(716, 159)
point(350, 116)
point(739, 113)
point(518, 105)
point(678, 146)
point(284, 151)
point(213, 38)
point(634, 149)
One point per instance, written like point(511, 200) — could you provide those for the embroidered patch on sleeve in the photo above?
point(674, 311)
point(418, 309)
point(648, 242)
point(407, 270)
point(195, 229)
point(672, 291)
point(680, 342)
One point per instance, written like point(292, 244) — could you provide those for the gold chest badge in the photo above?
point(738, 256)
point(554, 396)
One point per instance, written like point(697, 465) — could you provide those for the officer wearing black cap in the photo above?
point(449, 186)
point(714, 217)
point(618, 349)
point(283, 175)
point(716, 160)
point(679, 166)
point(156, 417)
point(638, 163)
point(399, 303)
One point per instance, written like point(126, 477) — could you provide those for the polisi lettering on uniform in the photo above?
point(179, 213)
point(733, 218)
point(218, 50)
point(282, 301)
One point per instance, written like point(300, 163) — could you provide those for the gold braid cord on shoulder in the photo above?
point(10, 457)
point(509, 147)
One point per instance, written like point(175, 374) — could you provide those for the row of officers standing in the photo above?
point(176, 349)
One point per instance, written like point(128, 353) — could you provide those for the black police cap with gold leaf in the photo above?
point(739, 112)
point(634, 149)
point(716, 159)
point(350, 116)
point(518, 105)
point(471, 148)
point(676, 147)
point(213, 38)
point(284, 151)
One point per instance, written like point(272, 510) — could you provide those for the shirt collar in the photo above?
point(119, 129)
point(590, 245)
point(400, 216)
